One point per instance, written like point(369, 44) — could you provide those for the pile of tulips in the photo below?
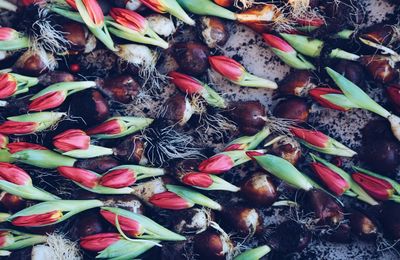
point(78, 158)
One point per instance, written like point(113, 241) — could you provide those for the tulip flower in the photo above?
point(378, 186)
point(331, 98)
point(126, 175)
point(91, 14)
point(192, 196)
point(11, 40)
point(357, 96)
point(354, 191)
point(76, 143)
point(51, 212)
point(284, 170)
point(117, 127)
point(255, 253)
point(286, 53)
point(12, 84)
point(207, 8)
point(16, 181)
point(170, 200)
point(206, 181)
point(3, 141)
point(248, 142)
point(30, 123)
point(192, 86)
point(137, 225)
point(132, 26)
point(114, 246)
point(169, 6)
point(320, 142)
point(331, 179)
point(54, 95)
point(99, 242)
point(223, 162)
point(35, 155)
point(15, 240)
point(82, 177)
point(312, 47)
point(237, 74)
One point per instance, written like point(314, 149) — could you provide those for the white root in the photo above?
point(160, 24)
point(56, 248)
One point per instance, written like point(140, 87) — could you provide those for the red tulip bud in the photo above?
point(331, 179)
point(38, 219)
point(319, 95)
point(14, 174)
point(313, 137)
point(277, 43)
point(99, 242)
point(186, 83)
point(111, 127)
point(198, 179)
point(119, 178)
point(130, 226)
point(169, 200)
point(73, 139)
point(8, 85)
point(7, 34)
point(48, 101)
point(227, 67)
point(93, 9)
point(129, 19)
point(21, 146)
point(19, 128)
point(84, 177)
point(217, 164)
point(378, 188)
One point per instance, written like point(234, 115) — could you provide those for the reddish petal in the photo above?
point(186, 83)
point(277, 43)
point(331, 179)
point(7, 34)
point(128, 225)
point(73, 139)
point(14, 174)
point(119, 178)
point(202, 180)
point(48, 101)
point(169, 200)
point(312, 137)
point(378, 188)
point(94, 10)
point(110, 127)
point(37, 219)
point(81, 176)
point(227, 67)
point(155, 5)
point(8, 85)
point(21, 146)
point(18, 128)
point(129, 19)
point(217, 164)
point(318, 95)
point(99, 242)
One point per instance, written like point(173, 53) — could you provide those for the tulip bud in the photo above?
point(237, 74)
point(379, 189)
point(169, 200)
point(331, 179)
point(117, 127)
point(83, 177)
point(137, 225)
point(133, 27)
point(99, 242)
point(51, 212)
point(225, 161)
point(207, 182)
point(169, 6)
point(320, 142)
point(14, 240)
point(286, 53)
point(8, 85)
point(297, 83)
point(72, 139)
point(30, 123)
point(54, 95)
point(14, 174)
point(11, 40)
point(381, 68)
point(192, 86)
point(331, 98)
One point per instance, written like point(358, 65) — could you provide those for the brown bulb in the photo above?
point(212, 245)
point(297, 83)
point(380, 68)
point(250, 116)
point(326, 209)
point(99, 164)
point(243, 220)
point(131, 149)
point(363, 226)
point(259, 190)
point(378, 33)
point(53, 77)
point(287, 148)
point(214, 31)
point(76, 34)
point(31, 64)
point(192, 57)
point(178, 109)
point(353, 71)
point(293, 108)
point(12, 202)
point(122, 88)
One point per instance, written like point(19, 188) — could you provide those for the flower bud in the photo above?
point(72, 139)
point(225, 161)
point(169, 6)
point(169, 200)
point(129, 226)
point(118, 178)
point(331, 98)
point(47, 218)
point(8, 85)
point(14, 174)
point(331, 179)
point(379, 189)
point(83, 177)
point(99, 242)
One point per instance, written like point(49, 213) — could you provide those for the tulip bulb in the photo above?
point(259, 190)
point(214, 31)
point(213, 245)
